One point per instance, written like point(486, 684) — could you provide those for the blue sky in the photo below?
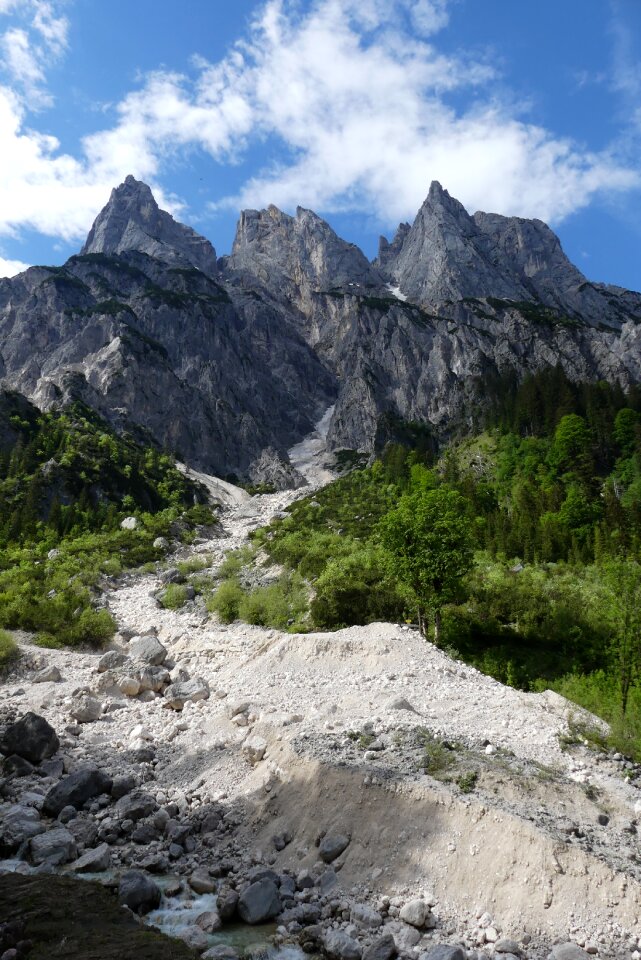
point(350, 107)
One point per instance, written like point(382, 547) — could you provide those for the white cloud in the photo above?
point(9, 268)
point(21, 61)
point(349, 102)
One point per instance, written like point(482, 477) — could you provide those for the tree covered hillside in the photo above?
point(534, 576)
point(66, 483)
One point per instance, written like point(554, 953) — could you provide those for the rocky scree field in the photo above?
point(360, 789)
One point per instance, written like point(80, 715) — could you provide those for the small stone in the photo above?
point(341, 946)
point(47, 675)
point(111, 661)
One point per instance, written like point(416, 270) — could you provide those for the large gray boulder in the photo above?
point(54, 848)
point(75, 789)
point(93, 861)
point(259, 902)
point(139, 892)
point(384, 948)
point(31, 737)
point(135, 806)
point(341, 946)
point(148, 650)
point(178, 694)
point(445, 951)
point(331, 846)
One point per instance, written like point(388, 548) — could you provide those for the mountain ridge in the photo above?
point(231, 362)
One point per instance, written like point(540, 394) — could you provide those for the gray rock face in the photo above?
point(249, 358)
point(31, 737)
point(132, 220)
point(75, 789)
point(295, 258)
point(274, 471)
point(259, 902)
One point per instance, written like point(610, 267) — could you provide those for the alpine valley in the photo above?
point(320, 595)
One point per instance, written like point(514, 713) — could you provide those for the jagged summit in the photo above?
point(298, 255)
point(132, 220)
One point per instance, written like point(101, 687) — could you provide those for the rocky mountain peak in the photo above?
point(297, 256)
point(132, 220)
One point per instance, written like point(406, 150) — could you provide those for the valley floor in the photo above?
point(330, 732)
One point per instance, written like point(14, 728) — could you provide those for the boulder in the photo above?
point(405, 936)
point(340, 945)
point(135, 806)
point(415, 913)
point(54, 848)
point(254, 748)
point(382, 949)
point(112, 660)
point(259, 902)
point(138, 892)
point(568, 951)
point(332, 845)
point(18, 824)
point(227, 903)
point(148, 650)
point(129, 523)
point(366, 917)
point(122, 785)
point(220, 952)
point(178, 694)
point(152, 678)
point(15, 766)
point(86, 709)
point(75, 789)
point(209, 921)
point(161, 543)
point(93, 861)
point(31, 737)
point(445, 951)
point(507, 946)
point(128, 686)
point(201, 882)
point(49, 674)
point(194, 937)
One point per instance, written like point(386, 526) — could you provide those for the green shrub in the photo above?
point(226, 600)
point(234, 563)
point(174, 596)
point(278, 605)
point(193, 565)
point(9, 650)
point(357, 588)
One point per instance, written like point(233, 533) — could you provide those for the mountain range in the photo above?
point(230, 361)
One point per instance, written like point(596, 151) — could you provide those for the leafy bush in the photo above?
point(174, 596)
point(226, 600)
point(278, 605)
point(9, 650)
point(357, 588)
